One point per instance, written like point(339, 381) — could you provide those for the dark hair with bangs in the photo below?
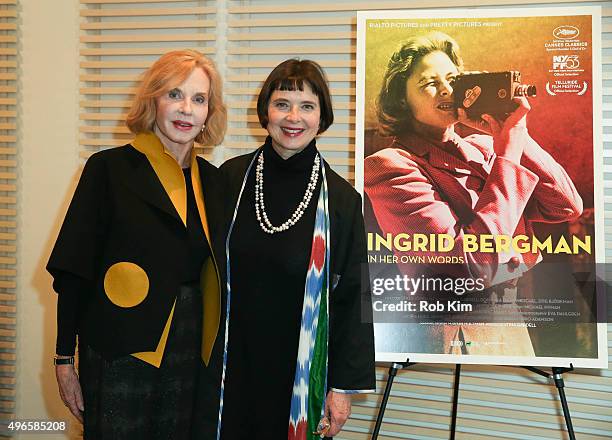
point(291, 75)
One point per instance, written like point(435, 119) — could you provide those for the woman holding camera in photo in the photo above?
point(431, 180)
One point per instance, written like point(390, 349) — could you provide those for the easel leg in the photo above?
point(558, 378)
point(455, 402)
point(383, 405)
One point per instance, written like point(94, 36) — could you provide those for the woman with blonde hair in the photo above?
point(137, 262)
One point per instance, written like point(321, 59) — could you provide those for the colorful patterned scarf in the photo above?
point(310, 382)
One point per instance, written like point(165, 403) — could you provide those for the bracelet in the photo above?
point(63, 361)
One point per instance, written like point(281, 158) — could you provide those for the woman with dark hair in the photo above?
point(296, 344)
point(137, 260)
point(433, 181)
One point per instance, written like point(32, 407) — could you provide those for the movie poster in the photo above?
point(478, 153)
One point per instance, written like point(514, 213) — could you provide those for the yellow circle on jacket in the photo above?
point(126, 284)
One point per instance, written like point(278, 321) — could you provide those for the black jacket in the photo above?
point(121, 213)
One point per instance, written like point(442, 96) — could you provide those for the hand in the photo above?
point(337, 411)
point(511, 136)
point(70, 389)
point(481, 125)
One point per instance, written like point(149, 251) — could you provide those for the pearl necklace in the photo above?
point(260, 209)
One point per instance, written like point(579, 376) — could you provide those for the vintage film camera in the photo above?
point(497, 91)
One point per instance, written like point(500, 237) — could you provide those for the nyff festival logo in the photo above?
point(565, 68)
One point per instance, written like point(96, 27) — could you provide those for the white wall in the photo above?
point(48, 142)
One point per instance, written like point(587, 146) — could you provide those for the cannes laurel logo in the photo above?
point(566, 32)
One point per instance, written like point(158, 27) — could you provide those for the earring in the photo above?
point(202, 129)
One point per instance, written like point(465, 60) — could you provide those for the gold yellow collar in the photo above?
point(171, 176)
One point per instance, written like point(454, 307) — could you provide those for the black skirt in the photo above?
point(126, 398)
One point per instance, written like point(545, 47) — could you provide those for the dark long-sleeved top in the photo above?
point(268, 274)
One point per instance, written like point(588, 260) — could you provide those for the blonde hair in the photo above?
point(165, 74)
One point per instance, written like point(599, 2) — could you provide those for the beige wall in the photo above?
point(49, 165)
point(48, 138)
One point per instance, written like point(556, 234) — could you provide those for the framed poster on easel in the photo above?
point(479, 156)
